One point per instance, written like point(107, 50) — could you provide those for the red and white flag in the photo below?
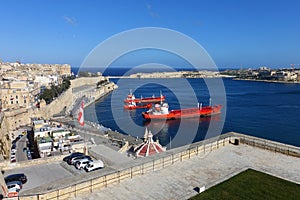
point(81, 115)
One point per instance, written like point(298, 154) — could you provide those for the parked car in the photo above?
point(72, 155)
point(66, 147)
point(29, 155)
point(13, 190)
point(14, 184)
point(13, 157)
point(97, 164)
point(80, 164)
point(13, 160)
point(16, 177)
point(13, 150)
point(72, 161)
point(19, 136)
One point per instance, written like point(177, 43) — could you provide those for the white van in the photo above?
point(97, 164)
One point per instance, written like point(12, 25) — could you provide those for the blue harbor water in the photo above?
point(265, 110)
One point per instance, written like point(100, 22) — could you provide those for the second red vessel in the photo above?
point(153, 99)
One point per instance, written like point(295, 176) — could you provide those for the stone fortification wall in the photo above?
point(17, 118)
point(4, 138)
point(56, 106)
point(13, 119)
point(22, 116)
point(86, 81)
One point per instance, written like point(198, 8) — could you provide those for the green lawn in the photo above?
point(252, 184)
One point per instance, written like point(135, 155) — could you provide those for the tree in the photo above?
point(55, 91)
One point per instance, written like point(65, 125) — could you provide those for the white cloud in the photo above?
point(70, 20)
point(151, 12)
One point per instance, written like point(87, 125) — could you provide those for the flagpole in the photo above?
point(81, 123)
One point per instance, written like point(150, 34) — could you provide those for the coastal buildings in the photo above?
point(21, 83)
point(52, 137)
point(179, 74)
point(264, 73)
point(21, 86)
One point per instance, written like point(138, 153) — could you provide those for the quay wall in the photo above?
point(86, 81)
point(154, 163)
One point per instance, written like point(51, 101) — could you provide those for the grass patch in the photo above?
point(252, 184)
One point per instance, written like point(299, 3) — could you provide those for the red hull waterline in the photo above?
point(185, 113)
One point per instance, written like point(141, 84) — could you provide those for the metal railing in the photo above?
point(269, 145)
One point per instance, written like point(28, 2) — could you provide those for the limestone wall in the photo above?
point(4, 138)
point(12, 120)
point(56, 106)
point(86, 81)
point(22, 116)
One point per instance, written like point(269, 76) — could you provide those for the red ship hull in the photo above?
point(185, 113)
point(145, 100)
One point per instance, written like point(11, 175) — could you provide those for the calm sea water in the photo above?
point(265, 110)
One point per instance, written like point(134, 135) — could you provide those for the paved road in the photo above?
point(21, 144)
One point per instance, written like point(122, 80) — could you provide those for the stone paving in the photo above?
point(179, 180)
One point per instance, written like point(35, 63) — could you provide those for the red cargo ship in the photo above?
point(132, 105)
point(153, 99)
point(161, 111)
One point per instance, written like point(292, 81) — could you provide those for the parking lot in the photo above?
point(46, 175)
point(41, 174)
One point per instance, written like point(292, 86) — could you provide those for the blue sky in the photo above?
point(236, 33)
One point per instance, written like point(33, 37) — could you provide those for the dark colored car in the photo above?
point(72, 155)
point(16, 177)
point(13, 146)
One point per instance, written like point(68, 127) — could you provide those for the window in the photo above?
point(17, 102)
point(11, 102)
point(16, 96)
point(24, 100)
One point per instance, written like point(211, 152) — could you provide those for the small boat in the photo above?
point(132, 105)
point(161, 111)
point(153, 99)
